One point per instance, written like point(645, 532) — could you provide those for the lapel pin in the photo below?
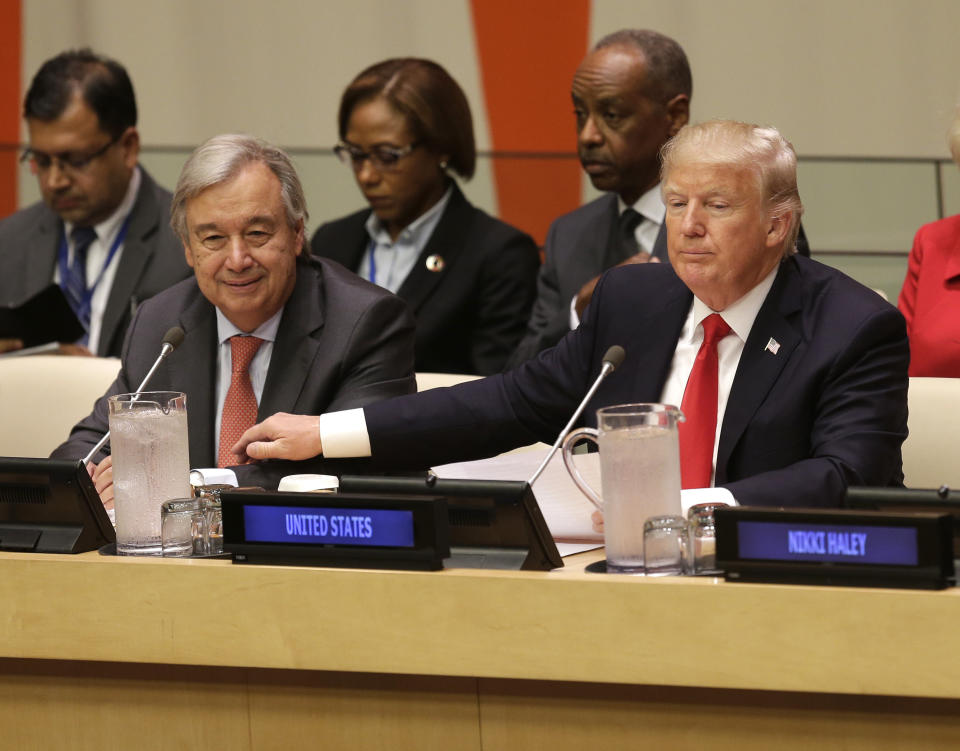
point(773, 346)
point(435, 263)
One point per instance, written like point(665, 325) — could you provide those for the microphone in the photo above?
point(171, 340)
point(612, 360)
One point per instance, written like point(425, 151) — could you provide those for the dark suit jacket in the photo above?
point(342, 343)
point(152, 259)
point(828, 410)
point(471, 314)
point(580, 245)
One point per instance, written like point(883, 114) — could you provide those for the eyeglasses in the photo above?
point(381, 157)
point(67, 161)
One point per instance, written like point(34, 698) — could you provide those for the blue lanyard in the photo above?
point(64, 252)
point(372, 248)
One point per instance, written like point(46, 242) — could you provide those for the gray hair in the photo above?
point(219, 159)
point(668, 70)
point(953, 137)
point(763, 149)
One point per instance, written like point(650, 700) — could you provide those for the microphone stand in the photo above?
point(611, 361)
point(171, 340)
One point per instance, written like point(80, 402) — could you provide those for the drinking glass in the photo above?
point(665, 546)
point(182, 527)
point(703, 537)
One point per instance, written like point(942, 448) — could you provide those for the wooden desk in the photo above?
point(96, 652)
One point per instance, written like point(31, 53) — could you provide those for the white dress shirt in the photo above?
point(739, 317)
point(395, 259)
point(651, 207)
point(99, 249)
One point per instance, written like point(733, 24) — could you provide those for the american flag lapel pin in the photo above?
point(773, 346)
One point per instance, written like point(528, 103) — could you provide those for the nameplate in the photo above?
point(815, 546)
point(342, 530)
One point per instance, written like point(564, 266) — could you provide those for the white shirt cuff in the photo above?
point(574, 318)
point(344, 434)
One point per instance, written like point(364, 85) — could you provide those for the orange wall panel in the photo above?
point(10, 47)
point(528, 52)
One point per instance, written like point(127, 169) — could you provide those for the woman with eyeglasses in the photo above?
point(470, 280)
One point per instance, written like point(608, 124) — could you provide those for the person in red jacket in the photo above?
point(930, 298)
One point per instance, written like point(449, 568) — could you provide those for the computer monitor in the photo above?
point(50, 506)
point(493, 523)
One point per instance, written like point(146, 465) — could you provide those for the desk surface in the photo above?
point(563, 625)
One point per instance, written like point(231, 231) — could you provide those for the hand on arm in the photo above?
point(9, 345)
point(102, 476)
point(74, 349)
point(282, 436)
point(586, 291)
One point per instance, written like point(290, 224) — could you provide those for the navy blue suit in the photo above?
point(828, 410)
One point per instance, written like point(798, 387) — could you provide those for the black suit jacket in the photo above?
point(827, 410)
point(342, 343)
point(580, 245)
point(152, 259)
point(471, 314)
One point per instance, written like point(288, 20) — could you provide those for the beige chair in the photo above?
point(931, 453)
point(436, 380)
point(43, 396)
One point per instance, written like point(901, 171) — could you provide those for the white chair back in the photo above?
point(436, 380)
point(931, 453)
point(43, 396)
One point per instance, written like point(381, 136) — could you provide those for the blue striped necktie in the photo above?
point(74, 284)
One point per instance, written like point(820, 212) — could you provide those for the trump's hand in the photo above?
point(282, 436)
point(102, 476)
point(9, 345)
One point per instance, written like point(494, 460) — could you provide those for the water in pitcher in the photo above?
point(150, 465)
point(639, 480)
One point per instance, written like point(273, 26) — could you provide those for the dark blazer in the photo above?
point(471, 314)
point(152, 259)
point(827, 410)
point(580, 245)
point(342, 343)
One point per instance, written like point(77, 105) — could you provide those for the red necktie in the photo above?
point(698, 433)
point(240, 406)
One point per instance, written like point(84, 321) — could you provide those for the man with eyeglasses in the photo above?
point(101, 231)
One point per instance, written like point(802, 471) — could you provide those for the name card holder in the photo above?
point(50, 506)
point(339, 530)
point(835, 547)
